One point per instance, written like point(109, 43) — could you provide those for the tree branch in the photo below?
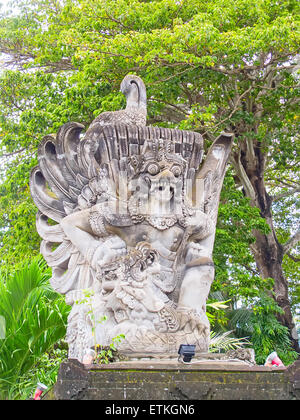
point(295, 259)
point(182, 111)
point(235, 160)
point(5, 155)
point(236, 106)
point(285, 194)
point(291, 242)
point(285, 182)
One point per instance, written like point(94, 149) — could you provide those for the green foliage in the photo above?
point(44, 371)
point(216, 312)
point(223, 342)
point(106, 354)
point(35, 318)
point(18, 235)
point(266, 334)
point(103, 354)
point(255, 324)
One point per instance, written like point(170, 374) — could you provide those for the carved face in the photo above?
point(158, 187)
point(163, 181)
point(157, 184)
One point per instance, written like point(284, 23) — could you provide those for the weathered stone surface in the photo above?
point(170, 380)
point(136, 213)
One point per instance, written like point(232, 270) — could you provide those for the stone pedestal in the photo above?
point(168, 380)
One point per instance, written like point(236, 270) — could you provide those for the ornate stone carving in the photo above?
point(136, 214)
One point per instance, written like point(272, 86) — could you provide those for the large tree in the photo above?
point(208, 66)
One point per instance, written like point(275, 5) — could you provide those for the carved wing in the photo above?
point(59, 186)
point(210, 177)
point(76, 172)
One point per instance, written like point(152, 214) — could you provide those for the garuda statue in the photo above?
point(127, 214)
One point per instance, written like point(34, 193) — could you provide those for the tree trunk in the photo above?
point(268, 254)
point(249, 162)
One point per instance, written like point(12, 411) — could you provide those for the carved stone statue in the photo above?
point(135, 215)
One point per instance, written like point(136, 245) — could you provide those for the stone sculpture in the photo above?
point(135, 215)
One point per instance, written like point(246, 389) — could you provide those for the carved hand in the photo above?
point(109, 250)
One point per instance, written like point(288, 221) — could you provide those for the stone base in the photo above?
point(172, 380)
